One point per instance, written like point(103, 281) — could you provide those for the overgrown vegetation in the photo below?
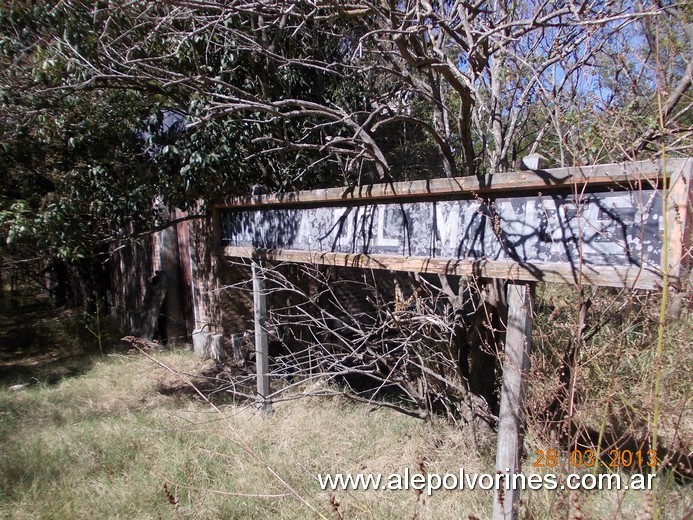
point(408, 342)
point(41, 346)
point(107, 108)
point(112, 113)
point(109, 444)
point(126, 435)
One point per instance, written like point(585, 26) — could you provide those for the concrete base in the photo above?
point(209, 345)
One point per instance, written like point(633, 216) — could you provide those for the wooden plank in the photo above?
point(173, 323)
point(510, 422)
point(645, 174)
point(620, 229)
point(680, 221)
point(631, 277)
point(261, 343)
point(188, 304)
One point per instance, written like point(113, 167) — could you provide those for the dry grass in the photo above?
point(104, 444)
point(107, 444)
point(108, 439)
point(614, 375)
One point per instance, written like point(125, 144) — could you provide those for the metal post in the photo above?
point(510, 420)
point(261, 346)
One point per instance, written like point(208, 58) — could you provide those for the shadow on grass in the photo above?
point(39, 344)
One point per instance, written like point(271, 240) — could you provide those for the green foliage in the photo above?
point(94, 183)
point(306, 97)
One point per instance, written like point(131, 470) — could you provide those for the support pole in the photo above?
point(261, 346)
point(510, 420)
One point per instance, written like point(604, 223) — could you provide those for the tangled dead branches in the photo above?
point(410, 342)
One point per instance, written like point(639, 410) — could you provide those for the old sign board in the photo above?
point(600, 225)
point(622, 225)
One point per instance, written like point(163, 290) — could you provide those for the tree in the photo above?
point(305, 94)
point(72, 178)
point(492, 76)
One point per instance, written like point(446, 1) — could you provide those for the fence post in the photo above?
point(261, 345)
point(510, 418)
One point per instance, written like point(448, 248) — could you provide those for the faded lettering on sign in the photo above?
point(610, 228)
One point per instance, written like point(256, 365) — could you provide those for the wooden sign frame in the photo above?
point(674, 174)
point(669, 178)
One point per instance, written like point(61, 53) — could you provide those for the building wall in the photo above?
point(208, 298)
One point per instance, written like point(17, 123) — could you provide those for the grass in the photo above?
point(103, 445)
point(109, 439)
point(39, 345)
